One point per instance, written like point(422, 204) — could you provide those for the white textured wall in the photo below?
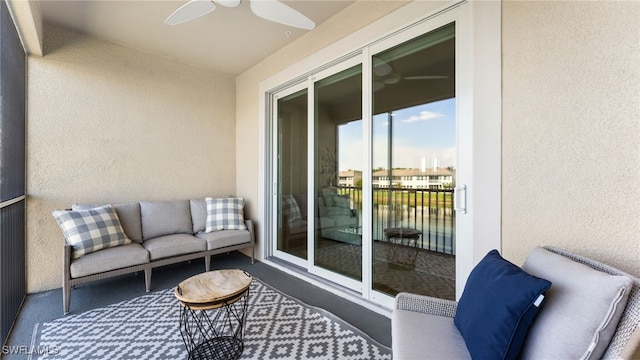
point(109, 124)
point(571, 129)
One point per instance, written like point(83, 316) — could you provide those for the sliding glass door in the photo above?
point(365, 167)
point(291, 113)
point(414, 163)
point(338, 150)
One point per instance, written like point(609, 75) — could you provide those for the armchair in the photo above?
point(423, 327)
point(338, 221)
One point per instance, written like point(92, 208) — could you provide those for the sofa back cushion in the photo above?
point(165, 218)
point(328, 194)
point(128, 213)
point(91, 230)
point(581, 312)
point(198, 214)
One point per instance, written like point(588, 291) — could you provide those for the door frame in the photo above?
point(481, 23)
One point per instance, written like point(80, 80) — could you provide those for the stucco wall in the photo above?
point(571, 129)
point(110, 124)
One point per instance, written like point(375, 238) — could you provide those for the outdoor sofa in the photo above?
point(588, 311)
point(139, 236)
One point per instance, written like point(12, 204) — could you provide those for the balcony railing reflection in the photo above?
point(427, 210)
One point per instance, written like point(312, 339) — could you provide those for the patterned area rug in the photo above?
point(277, 327)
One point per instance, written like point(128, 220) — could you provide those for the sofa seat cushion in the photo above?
point(325, 223)
point(161, 218)
point(335, 211)
point(109, 259)
point(584, 306)
point(417, 335)
point(224, 238)
point(172, 245)
point(297, 227)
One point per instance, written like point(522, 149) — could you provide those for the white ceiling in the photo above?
point(230, 40)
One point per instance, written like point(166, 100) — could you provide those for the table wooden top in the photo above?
point(213, 287)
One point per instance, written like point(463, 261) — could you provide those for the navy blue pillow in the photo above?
point(497, 307)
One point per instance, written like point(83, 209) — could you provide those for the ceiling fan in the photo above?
point(385, 74)
point(272, 10)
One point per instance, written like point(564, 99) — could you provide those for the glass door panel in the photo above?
point(338, 172)
point(291, 112)
point(414, 158)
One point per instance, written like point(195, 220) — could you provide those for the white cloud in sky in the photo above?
point(423, 116)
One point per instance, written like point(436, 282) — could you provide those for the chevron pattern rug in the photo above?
point(277, 327)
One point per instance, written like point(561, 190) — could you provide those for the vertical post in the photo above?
point(390, 166)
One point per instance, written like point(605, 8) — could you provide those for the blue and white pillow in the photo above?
point(91, 230)
point(225, 214)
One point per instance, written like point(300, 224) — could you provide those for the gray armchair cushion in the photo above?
point(417, 335)
point(224, 238)
point(342, 201)
point(172, 245)
point(129, 215)
point(327, 194)
point(161, 218)
point(109, 259)
point(583, 305)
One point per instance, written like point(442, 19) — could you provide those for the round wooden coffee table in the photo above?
point(213, 313)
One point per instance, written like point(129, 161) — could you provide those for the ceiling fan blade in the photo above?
point(276, 11)
point(189, 11)
point(426, 77)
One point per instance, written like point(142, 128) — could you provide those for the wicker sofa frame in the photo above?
point(625, 343)
point(70, 282)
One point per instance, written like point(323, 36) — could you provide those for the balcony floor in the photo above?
point(47, 306)
point(430, 273)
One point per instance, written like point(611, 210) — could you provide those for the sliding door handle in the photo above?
point(460, 199)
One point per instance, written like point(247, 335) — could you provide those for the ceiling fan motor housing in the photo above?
point(228, 3)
